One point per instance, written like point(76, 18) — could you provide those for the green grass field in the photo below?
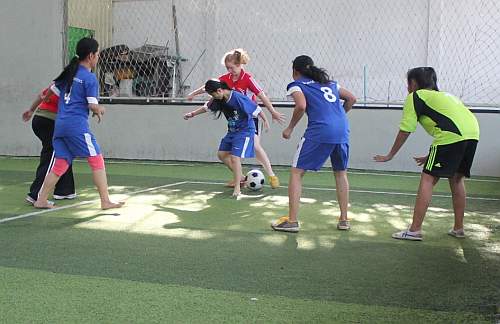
point(182, 250)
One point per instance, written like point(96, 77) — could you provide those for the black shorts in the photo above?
point(446, 160)
point(256, 122)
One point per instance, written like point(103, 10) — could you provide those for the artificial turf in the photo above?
point(191, 253)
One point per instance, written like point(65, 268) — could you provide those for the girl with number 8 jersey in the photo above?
point(326, 136)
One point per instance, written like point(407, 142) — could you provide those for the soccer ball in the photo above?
point(255, 180)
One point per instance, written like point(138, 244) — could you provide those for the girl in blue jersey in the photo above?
point(327, 135)
point(77, 88)
point(239, 111)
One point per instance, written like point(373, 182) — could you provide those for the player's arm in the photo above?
point(348, 97)
point(29, 113)
point(195, 93)
point(398, 143)
point(196, 112)
point(298, 112)
point(275, 115)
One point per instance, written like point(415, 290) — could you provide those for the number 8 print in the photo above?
point(328, 94)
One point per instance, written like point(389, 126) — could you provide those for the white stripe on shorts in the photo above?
point(245, 146)
point(297, 154)
point(90, 146)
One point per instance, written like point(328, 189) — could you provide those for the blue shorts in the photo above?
point(238, 144)
point(311, 155)
point(70, 147)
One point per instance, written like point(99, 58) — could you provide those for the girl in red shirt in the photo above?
point(243, 82)
point(44, 111)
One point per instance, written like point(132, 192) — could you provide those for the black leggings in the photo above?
point(44, 129)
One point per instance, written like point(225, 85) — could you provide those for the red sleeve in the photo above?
point(252, 84)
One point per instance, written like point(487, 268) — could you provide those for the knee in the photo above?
point(60, 167)
point(96, 162)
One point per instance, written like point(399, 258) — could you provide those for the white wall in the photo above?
point(31, 56)
point(160, 133)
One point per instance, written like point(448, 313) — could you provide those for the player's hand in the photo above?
point(382, 158)
point(278, 117)
point(190, 97)
point(99, 113)
point(287, 133)
point(188, 115)
point(27, 115)
point(420, 160)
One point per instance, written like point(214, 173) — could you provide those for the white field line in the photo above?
point(45, 211)
point(363, 191)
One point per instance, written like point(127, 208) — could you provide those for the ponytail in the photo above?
point(305, 66)
point(84, 48)
point(69, 72)
point(236, 56)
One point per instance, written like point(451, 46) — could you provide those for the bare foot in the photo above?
point(110, 205)
point(230, 184)
point(43, 204)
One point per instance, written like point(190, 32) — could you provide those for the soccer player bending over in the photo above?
point(239, 111)
point(456, 133)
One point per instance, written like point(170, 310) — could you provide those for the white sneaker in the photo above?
point(458, 233)
point(407, 235)
point(70, 196)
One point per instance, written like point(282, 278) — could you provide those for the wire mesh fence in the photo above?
point(167, 48)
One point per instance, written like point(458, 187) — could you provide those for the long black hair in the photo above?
point(218, 105)
point(84, 48)
point(424, 76)
point(305, 66)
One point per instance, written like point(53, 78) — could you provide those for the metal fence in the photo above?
point(166, 48)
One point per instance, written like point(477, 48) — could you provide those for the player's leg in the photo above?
point(65, 187)
point(100, 178)
point(85, 145)
point(59, 168)
point(88, 145)
point(236, 164)
point(44, 130)
point(432, 171)
point(424, 196)
point(263, 159)
point(457, 184)
point(310, 156)
point(224, 155)
point(339, 159)
point(294, 193)
point(242, 147)
point(63, 159)
point(457, 187)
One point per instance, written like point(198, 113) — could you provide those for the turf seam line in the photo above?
point(44, 211)
point(362, 191)
point(276, 168)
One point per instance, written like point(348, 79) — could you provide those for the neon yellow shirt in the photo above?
point(442, 115)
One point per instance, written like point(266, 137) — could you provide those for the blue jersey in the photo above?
point(72, 117)
point(327, 120)
point(244, 109)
